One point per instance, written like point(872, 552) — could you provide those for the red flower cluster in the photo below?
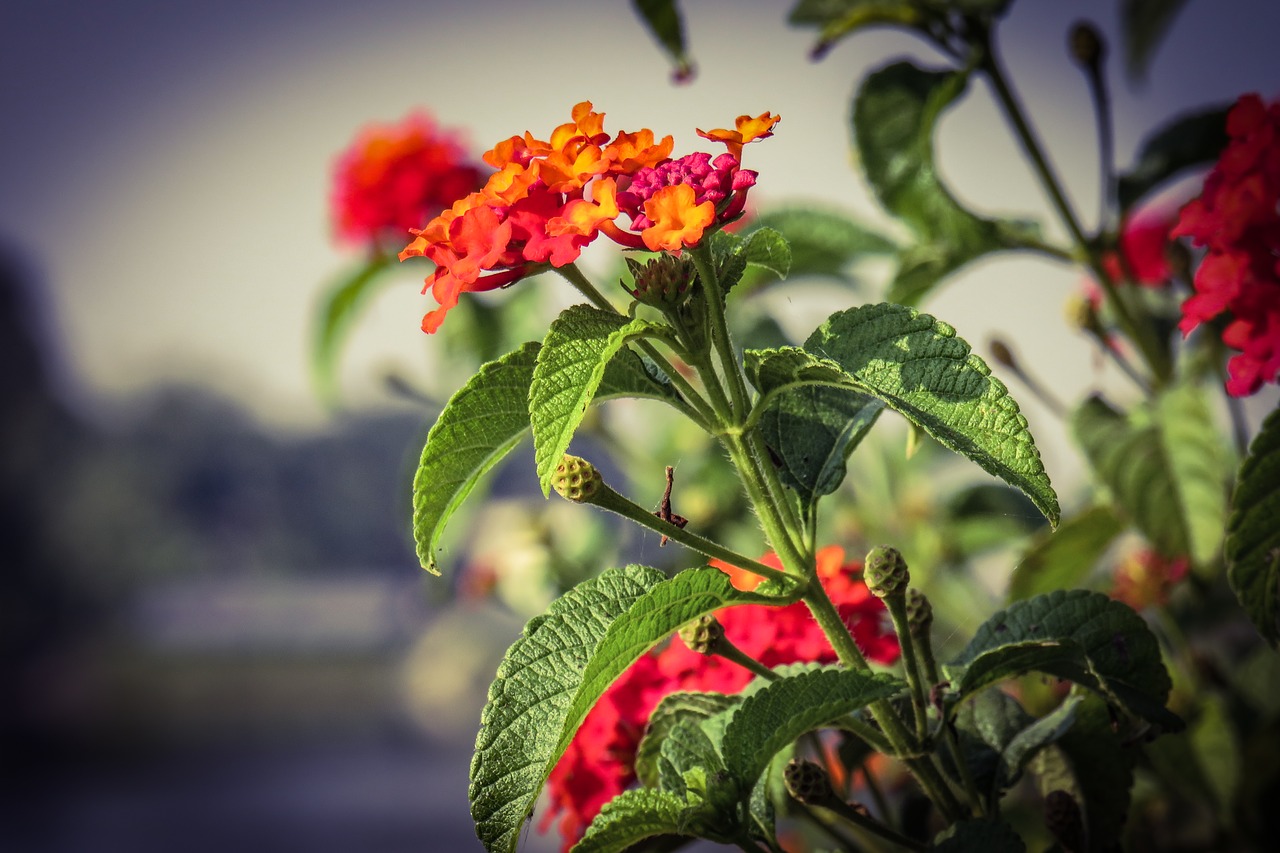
point(1144, 578)
point(396, 177)
point(599, 763)
point(1237, 218)
point(548, 199)
point(1144, 240)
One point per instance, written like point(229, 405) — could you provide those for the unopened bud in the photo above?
point(919, 613)
point(886, 572)
point(1086, 45)
point(703, 634)
point(1062, 818)
point(807, 782)
point(576, 479)
point(662, 282)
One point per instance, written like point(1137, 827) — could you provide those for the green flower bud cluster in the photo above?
point(919, 614)
point(807, 782)
point(702, 634)
point(886, 572)
point(663, 282)
point(576, 479)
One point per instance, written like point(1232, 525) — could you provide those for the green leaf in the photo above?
point(764, 248)
point(1194, 139)
point(836, 19)
point(979, 836)
point(895, 115)
point(1064, 558)
point(823, 241)
point(919, 368)
point(1253, 536)
point(812, 429)
point(674, 708)
point(783, 710)
point(537, 696)
point(481, 424)
point(665, 23)
point(1093, 765)
point(339, 307)
point(1082, 636)
point(1143, 24)
point(1212, 737)
point(1035, 737)
point(635, 815)
point(1164, 468)
point(569, 370)
point(986, 724)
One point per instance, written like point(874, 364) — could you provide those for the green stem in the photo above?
point(1140, 333)
point(606, 498)
point(720, 339)
point(727, 650)
point(849, 814)
point(897, 605)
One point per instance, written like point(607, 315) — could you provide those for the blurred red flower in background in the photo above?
point(599, 763)
point(1144, 578)
point(395, 177)
point(1237, 219)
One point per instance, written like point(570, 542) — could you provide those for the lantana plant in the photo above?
point(804, 699)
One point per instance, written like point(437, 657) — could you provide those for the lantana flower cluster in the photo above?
point(395, 177)
point(1237, 219)
point(599, 762)
point(548, 199)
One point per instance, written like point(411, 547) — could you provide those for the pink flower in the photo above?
point(1237, 219)
point(599, 763)
point(397, 176)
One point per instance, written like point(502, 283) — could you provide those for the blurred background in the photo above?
point(215, 631)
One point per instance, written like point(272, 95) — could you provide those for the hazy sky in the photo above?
point(164, 166)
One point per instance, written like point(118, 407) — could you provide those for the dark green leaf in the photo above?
point(1078, 635)
point(570, 368)
point(674, 708)
point(1253, 533)
point(811, 430)
point(1143, 24)
point(1044, 731)
point(1064, 558)
point(484, 420)
point(633, 816)
point(764, 248)
point(1187, 141)
point(986, 723)
point(919, 368)
point(895, 115)
point(339, 307)
point(979, 836)
point(836, 19)
point(783, 710)
point(666, 24)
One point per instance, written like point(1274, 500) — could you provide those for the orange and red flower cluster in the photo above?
point(1145, 579)
point(599, 763)
point(548, 199)
point(1237, 218)
point(396, 177)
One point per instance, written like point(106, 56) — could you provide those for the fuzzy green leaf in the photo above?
point(764, 248)
point(1253, 534)
point(895, 115)
point(674, 708)
point(1082, 636)
point(570, 367)
point(665, 23)
point(1143, 24)
point(1064, 558)
point(812, 429)
point(1190, 140)
point(919, 368)
point(783, 710)
point(481, 424)
point(339, 307)
point(1164, 468)
point(635, 815)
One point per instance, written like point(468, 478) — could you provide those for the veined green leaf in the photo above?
point(569, 370)
point(1167, 474)
point(674, 708)
point(895, 115)
point(1189, 140)
point(665, 23)
point(338, 308)
point(919, 368)
point(763, 247)
point(553, 675)
point(1253, 535)
point(1082, 636)
point(1143, 24)
point(783, 710)
point(823, 241)
point(481, 424)
point(635, 815)
point(1064, 558)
